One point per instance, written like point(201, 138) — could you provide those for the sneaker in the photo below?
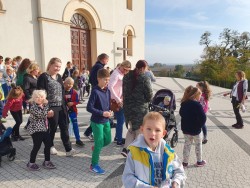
point(185, 165)
point(234, 125)
point(124, 152)
point(3, 120)
point(123, 140)
point(90, 137)
point(239, 126)
point(79, 143)
point(48, 165)
point(120, 143)
point(204, 141)
point(53, 151)
point(33, 166)
point(97, 169)
point(201, 164)
point(71, 153)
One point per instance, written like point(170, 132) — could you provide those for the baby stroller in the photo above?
point(168, 114)
point(6, 147)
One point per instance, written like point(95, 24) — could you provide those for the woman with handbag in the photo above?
point(137, 93)
point(115, 87)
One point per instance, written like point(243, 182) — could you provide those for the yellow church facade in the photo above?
point(73, 30)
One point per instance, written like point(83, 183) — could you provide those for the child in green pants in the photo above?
point(99, 106)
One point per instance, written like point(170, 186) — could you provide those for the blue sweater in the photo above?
point(193, 117)
point(99, 101)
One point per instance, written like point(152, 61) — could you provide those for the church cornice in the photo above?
point(104, 30)
point(53, 21)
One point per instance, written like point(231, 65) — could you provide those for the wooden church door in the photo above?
point(80, 42)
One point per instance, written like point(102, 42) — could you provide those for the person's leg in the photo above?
point(64, 130)
point(18, 117)
point(88, 131)
point(106, 134)
point(53, 122)
point(119, 126)
point(187, 147)
point(47, 145)
point(99, 142)
point(131, 136)
point(73, 118)
point(37, 141)
point(198, 147)
point(236, 109)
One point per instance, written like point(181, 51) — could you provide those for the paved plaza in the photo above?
point(227, 152)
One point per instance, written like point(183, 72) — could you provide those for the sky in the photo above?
point(174, 28)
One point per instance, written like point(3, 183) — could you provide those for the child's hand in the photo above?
point(226, 94)
point(70, 104)
point(50, 114)
point(45, 101)
point(107, 114)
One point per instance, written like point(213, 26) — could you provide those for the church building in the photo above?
point(73, 30)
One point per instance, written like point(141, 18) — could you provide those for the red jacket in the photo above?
point(72, 96)
point(13, 105)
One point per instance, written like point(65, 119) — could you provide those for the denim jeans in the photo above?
point(119, 126)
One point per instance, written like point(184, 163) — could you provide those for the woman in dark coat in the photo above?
point(137, 93)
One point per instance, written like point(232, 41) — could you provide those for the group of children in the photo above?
point(150, 161)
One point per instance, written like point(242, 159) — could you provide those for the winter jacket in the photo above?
point(142, 170)
point(115, 85)
point(72, 96)
point(99, 101)
point(29, 85)
point(93, 73)
point(38, 119)
point(193, 117)
point(136, 101)
point(13, 105)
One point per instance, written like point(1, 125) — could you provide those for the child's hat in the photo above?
point(167, 98)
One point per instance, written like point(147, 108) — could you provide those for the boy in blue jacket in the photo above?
point(99, 106)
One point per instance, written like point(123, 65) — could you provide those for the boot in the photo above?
point(239, 126)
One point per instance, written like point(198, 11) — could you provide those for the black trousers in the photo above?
point(38, 138)
point(59, 118)
point(18, 117)
point(236, 109)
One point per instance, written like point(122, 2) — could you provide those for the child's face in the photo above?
point(68, 85)
point(166, 102)
point(198, 86)
point(39, 99)
point(103, 82)
point(9, 72)
point(153, 132)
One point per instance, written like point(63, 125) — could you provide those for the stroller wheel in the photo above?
point(174, 140)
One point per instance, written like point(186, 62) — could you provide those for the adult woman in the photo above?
point(238, 95)
point(51, 81)
point(68, 70)
point(115, 87)
point(137, 93)
point(30, 82)
point(20, 75)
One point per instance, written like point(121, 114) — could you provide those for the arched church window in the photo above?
point(129, 4)
point(79, 21)
point(130, 43)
